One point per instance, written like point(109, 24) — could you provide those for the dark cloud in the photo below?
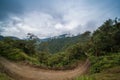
point(9, 7)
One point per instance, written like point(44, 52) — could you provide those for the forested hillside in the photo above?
point(102, 48)
point(104, 52)
point(62, 42)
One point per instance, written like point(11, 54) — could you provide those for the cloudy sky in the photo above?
point(47, 18)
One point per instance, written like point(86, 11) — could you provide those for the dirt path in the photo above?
point(22, 72)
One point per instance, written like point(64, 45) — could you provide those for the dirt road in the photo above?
point(23, 72)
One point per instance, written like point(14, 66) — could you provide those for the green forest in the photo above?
point(101, 47)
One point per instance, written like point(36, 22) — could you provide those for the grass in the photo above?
point(3, 76)
point(103, 68)
point(109, 74)
point(85, 77)
point(102, 63)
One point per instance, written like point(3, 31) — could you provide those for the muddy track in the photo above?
point(23, 72)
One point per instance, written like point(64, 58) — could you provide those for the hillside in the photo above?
point(62, 42)
point(65, 57)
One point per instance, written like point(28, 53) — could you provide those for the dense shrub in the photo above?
point(101, 63)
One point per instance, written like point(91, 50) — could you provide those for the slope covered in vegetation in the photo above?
point(30, 52)
point(102, 47)
point(105, 52)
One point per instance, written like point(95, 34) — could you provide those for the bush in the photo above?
point(13, 54)
point(103, 62)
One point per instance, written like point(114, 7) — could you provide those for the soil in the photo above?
point(24, 72)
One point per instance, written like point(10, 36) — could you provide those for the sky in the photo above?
point(48, 18)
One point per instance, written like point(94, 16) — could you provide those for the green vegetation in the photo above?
point(108, 74)
point(3, 76)
point(106, 38)
point(104, 52)
point(54, 45)
point(103, 68)
point(104, 62)
point(86, 77)
point(102, 47)
point(28, 51)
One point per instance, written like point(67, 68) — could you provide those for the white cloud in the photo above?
point(41, 24)
point(75, 17)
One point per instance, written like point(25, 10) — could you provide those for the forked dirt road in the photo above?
point(23, 72)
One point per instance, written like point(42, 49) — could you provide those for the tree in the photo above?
point(106, 38)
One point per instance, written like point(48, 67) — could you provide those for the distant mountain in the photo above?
point(12, 37)
point(56, 37)
point(61, 42)
point(1, 37)
point(45, 39)
point(61, 36)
